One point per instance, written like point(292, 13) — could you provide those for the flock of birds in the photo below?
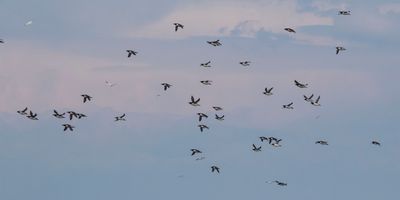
point(275, 142)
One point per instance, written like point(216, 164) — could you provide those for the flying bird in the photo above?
point(68, 126)
point(120, 118)
point(201, 115)
point(58, 115)
point(262, 138)
point(220, 118)
point(273, 140)
point(1, 41)
point(255, 148)
point(300, 85)
point(308, 99)
point(245, 63)
point(376, 143)
point(32, 116)
point(206, 82)
point(202, 127)
point(268, 91)
point(131, 52)
point(344, 12)
point(194, 102)
point(194, 151)
point(290, 30)
point(216, 108)
point(214, 168)
point(23, 112)
point(80, 115)
point(110, 84)
point(72, 114)
point(278, 183)
point(207, 64)
point(288, 106)
point(166, 86)
point(86, 98)
point(177, 26)
point(321, 142)
point(214, 43)
point(339, 49)
point(316, 102)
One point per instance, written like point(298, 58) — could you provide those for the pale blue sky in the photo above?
point(72, 47)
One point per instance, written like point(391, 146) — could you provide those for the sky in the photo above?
point(73, 47)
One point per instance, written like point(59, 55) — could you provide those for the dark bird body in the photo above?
point(166, 86)
point(300, 85)
point(86, 98)
point(214, 169)
point(58, 115)
point(201, 116)
point(131, 52)
point(220, 118)
point(177, 26)
point(290, 30)
point(321, 142)
point(68, 127)
point(120, 118)
point(23, 112)
point(194, 151)
point(214, 43)
point(268, 92)
point(288, 106)
point(194, 102)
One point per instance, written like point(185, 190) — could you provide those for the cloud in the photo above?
point(389, 8)
point(227, 18)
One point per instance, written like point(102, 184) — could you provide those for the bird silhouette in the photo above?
point(300, 85)
point(290, 30)
point(214, 169)
point(177, 26)
point(120, 118)
point(194, 151)
point(255, 148)
point(131, 52)
point(288, 106)
point(376, 143)
point(32, 116)
point(268, 91)
point(214, 43)
point(68, 127)
point(58, 115)
point(194, 102)
point(201, 115)
point(23, 112)
point(202, 127)
point(321, 142)
point(86, 98)
point(220, 118)
point(166, 86)
point(339, 49)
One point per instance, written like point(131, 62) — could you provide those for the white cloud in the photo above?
point(389, 8)
point(227, 18)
